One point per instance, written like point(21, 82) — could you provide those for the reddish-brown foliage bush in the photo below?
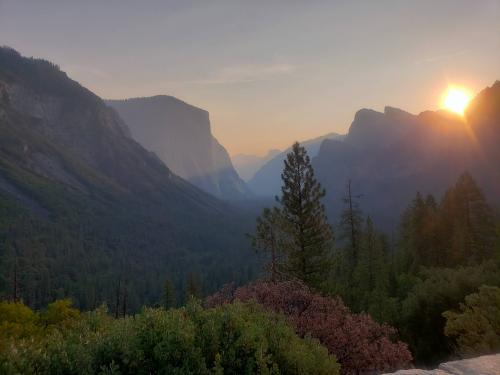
point(360, 344)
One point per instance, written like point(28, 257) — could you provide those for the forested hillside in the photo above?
point(87, 212)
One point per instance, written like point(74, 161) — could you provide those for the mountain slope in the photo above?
point(248, 165)
point(267, 182)
point(181, 137)
point(389, 156)
point(83, 207)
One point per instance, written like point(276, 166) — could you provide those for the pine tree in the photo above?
point(470, 220)
point(350, 223)
point(168, 295)
point(308, 237)
point(268, 239)
point(366, 267)
point(124, 304)
point(193, 287)
point(117, 301)
point(458, 231)
point(420, 239)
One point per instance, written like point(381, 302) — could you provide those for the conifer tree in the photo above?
point(350, 223)
point(307, 236)
point(168, 295)
point(420, 239)
point(117, 301)
point(268, 239)
point(124, 303)
point(368, 262)
point(193, 287)
point(470, 222)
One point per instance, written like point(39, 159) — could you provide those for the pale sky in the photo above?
point(269, 72)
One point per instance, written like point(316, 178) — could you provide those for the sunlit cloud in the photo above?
point(246, 74)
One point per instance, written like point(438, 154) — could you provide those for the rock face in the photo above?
point(267, 181)
point(485, 365)
point(372, 129)
point(180, 135)
point(390, 156)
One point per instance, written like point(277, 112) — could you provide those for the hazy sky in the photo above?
point(269, 72)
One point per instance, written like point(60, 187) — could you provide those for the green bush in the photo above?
point(231, 339)
point(440, 289)
point(16, 321)
point(476, 328)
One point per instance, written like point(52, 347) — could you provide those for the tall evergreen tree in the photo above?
point(268, 238)
point(351, 222)
point(470, 222)
point(193, 287)
point(168, 295)
point(368, 257)
point(420, 239)
point(458, 231)
point(307, 236)
point(117, 301)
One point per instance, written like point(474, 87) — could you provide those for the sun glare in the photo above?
point(456, 100)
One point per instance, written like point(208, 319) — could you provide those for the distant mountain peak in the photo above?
point(364, 114)
point(394, 112)
point(180, 134)
point(161, 98)
point(266, 181)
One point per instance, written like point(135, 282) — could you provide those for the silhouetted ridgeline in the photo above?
point(389, 156)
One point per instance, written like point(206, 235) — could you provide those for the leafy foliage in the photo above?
point(446, 251)
point(16, 320)
point(237, 338)
point(359, 343)
point(436, 291)
point(476, 328)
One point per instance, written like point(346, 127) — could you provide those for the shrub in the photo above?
point(359, 343)
point(16, 321)
point(440, 289)
point(476, 328)
point(237, 338)
point(59, 312)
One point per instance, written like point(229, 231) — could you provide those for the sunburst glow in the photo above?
point(456, 100)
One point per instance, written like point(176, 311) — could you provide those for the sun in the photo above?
point(456, 100)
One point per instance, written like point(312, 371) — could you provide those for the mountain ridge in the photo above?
point(247, 164)
point(426, 153)
point(83, 206)
point(267, 182)
point(180, 134)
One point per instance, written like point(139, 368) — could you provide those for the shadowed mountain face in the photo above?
point(389, 156)
point(266, 182)
point(180, 135)
point(84, 207)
